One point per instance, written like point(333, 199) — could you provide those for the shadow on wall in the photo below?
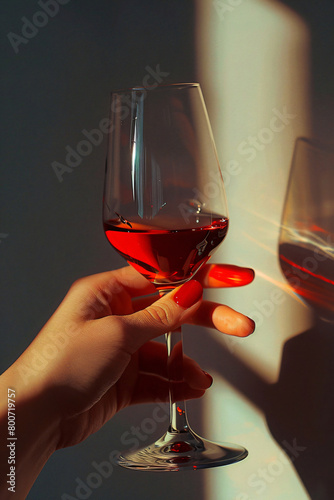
point(299, 408)
point(319, 17)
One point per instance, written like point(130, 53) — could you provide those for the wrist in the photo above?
point(33, 431)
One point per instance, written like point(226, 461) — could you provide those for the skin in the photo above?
point(97, 355)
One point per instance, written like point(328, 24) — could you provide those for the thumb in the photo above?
point(165, 315)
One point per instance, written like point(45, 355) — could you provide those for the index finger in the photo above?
point(132, 282)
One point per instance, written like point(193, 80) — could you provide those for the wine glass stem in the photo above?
point(178, 413)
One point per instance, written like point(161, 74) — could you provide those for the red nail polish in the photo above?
point(188, 294)
point(208, 377)
point(231, 275)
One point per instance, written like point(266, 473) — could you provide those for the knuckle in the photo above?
point(121, 339)
point(158, 314)
point(119, 329)
point(80, 282)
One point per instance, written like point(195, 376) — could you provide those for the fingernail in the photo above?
point(250, 328)
point(232, 275)
point(208, 376)
point(252, 323)
point(188, 294)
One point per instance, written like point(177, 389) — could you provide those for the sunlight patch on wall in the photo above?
point(254, 72)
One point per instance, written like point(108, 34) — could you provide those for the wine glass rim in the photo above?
point(159, 86)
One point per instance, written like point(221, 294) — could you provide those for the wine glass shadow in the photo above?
point(299, 407)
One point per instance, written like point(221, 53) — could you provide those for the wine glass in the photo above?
point(306, 243)
point(165, 212)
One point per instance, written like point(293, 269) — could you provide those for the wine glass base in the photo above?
point(177, 451)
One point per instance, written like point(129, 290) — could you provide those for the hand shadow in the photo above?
point(299, 408)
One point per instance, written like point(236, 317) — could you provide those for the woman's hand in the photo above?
point(96, 354)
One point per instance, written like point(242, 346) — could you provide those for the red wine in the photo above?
point(310, 272)
point(166, 256)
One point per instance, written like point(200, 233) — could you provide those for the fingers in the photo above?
point(151, 388)
point(166, 314)
point(153, 360)
point(224, 319)
point(224, 276)
point(99, 295)
point(153, 383)
point(194, 376)
point(126, 278)
point(213, 315)
point(111, 292)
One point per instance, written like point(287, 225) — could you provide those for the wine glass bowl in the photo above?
point(163, 182)
point(306, 243)
point(165, 212)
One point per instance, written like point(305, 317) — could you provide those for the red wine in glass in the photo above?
point(167, 257)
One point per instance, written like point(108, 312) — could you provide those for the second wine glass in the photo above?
point(165, 212)
point(306, 243)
